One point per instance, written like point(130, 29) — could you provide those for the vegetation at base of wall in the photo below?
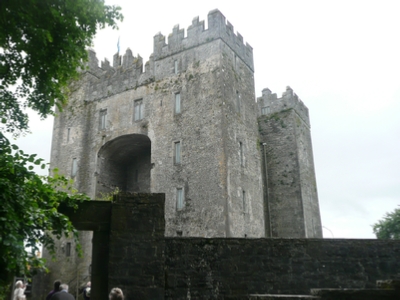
point(389, 227)
point(109, 196)
point(43, 44)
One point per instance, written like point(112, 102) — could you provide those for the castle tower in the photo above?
point(183, 124)
point(186, 124)
point(290, 188)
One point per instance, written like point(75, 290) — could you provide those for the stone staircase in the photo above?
point(385, 290)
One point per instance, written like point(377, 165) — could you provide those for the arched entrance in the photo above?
point(124, 163)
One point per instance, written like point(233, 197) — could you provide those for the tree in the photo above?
point(29, 208)
point(389, 226)
point(43, 45)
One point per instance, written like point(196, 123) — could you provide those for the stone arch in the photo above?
point(124, 163)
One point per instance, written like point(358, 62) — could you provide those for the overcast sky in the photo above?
point(342, 58)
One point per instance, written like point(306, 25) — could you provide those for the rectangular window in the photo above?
point(136, 175)
point(241, 154)
point(68, 134)
point(179, 198)
point(177, 103)
point(74, 169)
point(176, 66)
point(265, 110)
point(235, 62)
point(238, 102)
point(68, 249)
point(103, 119)
point(177, 152)
point(138, 109)
point(244, 201)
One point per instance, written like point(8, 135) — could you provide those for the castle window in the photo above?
point(265, 110)
point(176, 69)
point(238, 102)
point(138, 104)
point(74, 169)
point(179, 198)
point(136, 175)
point(68, 134)
point(235, 62)
point(177, 152)
point(68, 249)
point(244, 200)
point(241, 154)
point(103, 119)
point(177, 103)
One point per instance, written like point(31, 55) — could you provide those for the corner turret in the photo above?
point(269, 103)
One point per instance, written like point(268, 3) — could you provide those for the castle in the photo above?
point(187, 123)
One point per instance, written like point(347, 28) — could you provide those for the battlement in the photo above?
point(269, 104)
point(218, 28)
point(128, 71)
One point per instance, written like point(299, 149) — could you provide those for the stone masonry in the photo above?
point(187, 123)
point(130, 251)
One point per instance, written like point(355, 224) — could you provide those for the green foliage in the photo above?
point(109, 196)
point(389, 227)
point(43, 44)
point(29, 209)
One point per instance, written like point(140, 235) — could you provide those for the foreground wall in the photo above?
point(209, 268)
point(131, 252)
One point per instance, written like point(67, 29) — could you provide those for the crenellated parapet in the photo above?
point(269, 104)
point(127, 72)
point(218, 28)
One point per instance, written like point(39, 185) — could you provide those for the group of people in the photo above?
point(60, 292)
point(59, 288)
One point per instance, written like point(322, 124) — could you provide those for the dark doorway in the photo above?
point(124, 164)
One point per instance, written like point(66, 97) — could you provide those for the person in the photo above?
point(86, 291)
point(116, 294)
point(56, 288)
point(19, 291)
point(62, 294)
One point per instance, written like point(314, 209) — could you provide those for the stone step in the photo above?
point(281, 297)
point(356, 294)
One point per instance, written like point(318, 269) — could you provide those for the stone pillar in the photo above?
point(99, 277)
point(136, 260)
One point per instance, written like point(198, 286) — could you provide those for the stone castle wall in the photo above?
point(291, 189)
point(233, 268)
point(145, 264)
point(216, 128)
point(99, 142)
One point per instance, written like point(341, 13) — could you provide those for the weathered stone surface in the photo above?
point(291, 195)
point(136, 262)
point(220, 267)
point(218, 115)
point(355, 294)
point(135, 255)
